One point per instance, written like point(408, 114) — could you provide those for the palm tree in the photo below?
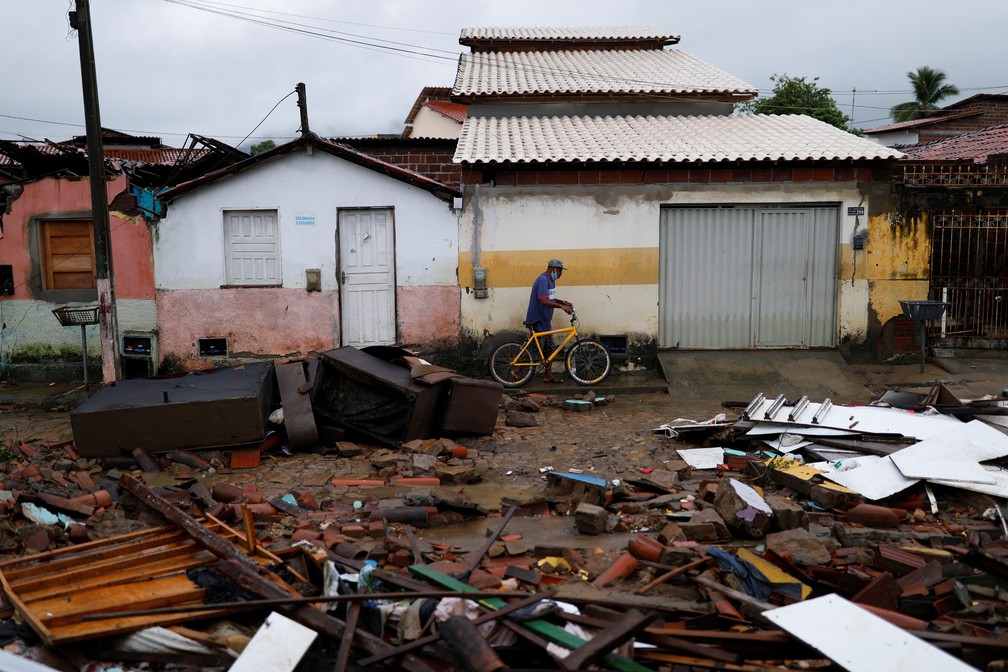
point(929, 89)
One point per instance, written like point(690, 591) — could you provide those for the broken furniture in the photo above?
point(202, 409)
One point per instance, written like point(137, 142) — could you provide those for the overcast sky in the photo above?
point(171, 67)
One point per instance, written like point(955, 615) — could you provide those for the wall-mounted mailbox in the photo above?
point(480, 282)
point(212, 347)
point(313, 279)
point(6, 280)
point(139, 354)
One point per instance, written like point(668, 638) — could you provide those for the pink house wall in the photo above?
point(132, 262)
point(426, 313)
point(287, 322)
point(256, 321)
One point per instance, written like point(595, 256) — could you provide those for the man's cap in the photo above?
point(555, 263)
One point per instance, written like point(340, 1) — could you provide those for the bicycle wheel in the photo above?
point(588, 362)
point(508, 368)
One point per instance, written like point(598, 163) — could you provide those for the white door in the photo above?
point(366, 268)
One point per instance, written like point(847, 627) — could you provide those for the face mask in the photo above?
point(553, 275)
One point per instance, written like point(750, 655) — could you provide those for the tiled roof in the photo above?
point(975, 146)
point(593, 34)
point(916, 123)
point(166, 156)
point(752, 137)
point(428, 93)
point(592, 72)
point(455, 111)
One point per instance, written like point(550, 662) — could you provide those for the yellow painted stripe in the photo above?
point(518, 268)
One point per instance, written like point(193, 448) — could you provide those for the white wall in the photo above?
point(189, 246)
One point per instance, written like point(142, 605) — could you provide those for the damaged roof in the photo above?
point(336, 149)
point(976, 146)
point(684, 139)
point(590, 72)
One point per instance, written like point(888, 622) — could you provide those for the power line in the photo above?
point(401, 48)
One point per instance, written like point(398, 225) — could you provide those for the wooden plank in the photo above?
point(548, 630)
point(87, 547)
point(45, 563)
point(607, 640)
point(66, 609)
point(133, 573)
point(110, 566)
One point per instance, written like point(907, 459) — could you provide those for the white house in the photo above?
point(303, 248)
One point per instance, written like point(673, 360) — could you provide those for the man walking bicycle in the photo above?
point(542, 301)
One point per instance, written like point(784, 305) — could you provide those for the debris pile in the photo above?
point(746, 544)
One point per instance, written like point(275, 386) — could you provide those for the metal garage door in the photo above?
point(748, 277)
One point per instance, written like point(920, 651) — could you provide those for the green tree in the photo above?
point(797, 95)
point(929, 89)
point(261, 147)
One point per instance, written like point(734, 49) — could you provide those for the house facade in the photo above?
point(47, 261)
point(307, 247)
point(47, 246)
point(682, 225)
point(948, 241)
point(966, 116)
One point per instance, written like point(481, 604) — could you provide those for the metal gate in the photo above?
point(969, 270)
point(748, 277)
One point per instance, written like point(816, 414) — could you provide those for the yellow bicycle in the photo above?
point(512, 364)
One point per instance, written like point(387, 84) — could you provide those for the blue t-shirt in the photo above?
point(542, 287)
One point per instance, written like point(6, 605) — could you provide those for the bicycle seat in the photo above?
point(530, 324)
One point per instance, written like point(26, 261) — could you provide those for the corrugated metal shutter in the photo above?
point(705, 278)
point(748, 277)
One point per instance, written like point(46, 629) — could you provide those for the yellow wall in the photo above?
point(610, 266)
point(898, 264)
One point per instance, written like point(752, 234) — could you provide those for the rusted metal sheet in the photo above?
point(298, 417)
point(202, 409)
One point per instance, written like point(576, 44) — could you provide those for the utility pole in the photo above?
point(303, 105)
point(107, 320)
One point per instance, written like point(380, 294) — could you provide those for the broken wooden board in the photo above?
point(143, 569)
point(545, 629)
point(858, 640)
point(52, 591)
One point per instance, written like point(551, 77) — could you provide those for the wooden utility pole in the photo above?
point(107, 320)
point(303, 104)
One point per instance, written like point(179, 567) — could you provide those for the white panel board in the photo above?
point(702, 458)
point(858, 640)
point(877, 480)
point(277, 646)
point(998, 489)
point(870, 419)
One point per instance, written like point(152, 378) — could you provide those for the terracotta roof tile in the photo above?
point(455, 111)
point(593, 72)
point(753, 137)
point(975, 146)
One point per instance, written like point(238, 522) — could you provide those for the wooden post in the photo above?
point(107, 320)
